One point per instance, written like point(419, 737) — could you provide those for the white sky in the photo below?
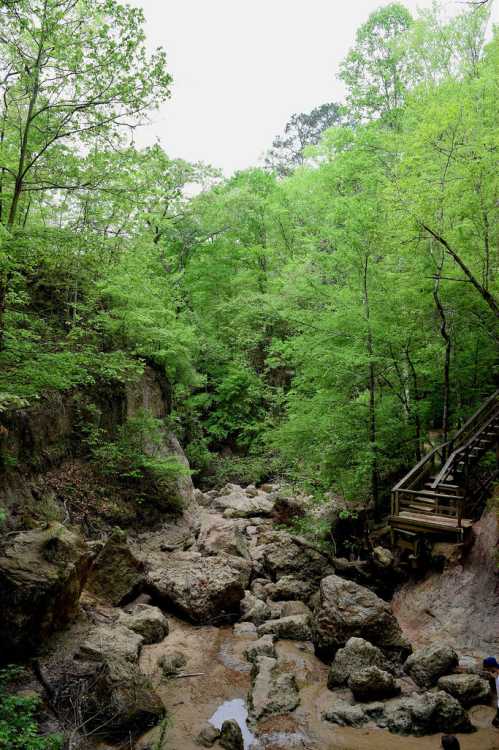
point(241, 68)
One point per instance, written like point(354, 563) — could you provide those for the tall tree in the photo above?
point(287, 151)
point(374, 70)
point(73, 73)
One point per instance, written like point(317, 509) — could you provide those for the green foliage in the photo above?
point(241, 470)
point(298, 322)
point(135, 453)
point(19, 728)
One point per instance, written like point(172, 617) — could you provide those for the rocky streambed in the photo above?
point(226, 622)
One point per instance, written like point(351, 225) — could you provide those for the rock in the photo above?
point(342, 713)
point(348, 610)
point(383, 558)
point(271, 693)
point(267, 487)
point(294, 628)
point(372, 684)
point(172, 663)
point(208, 735)
point(111, 642)
point(218, 535)
point(374, 711)
point(282, 556)
point(116, 574)
point(42, 574)
point(264, 646)
point(202, 498)
point(293, 608)
point(244, 629)
point(231, 737)
point(146, 394)
point(147, 621)
point(251, 490)
point(426, 665)
point(258, 587)
point(237, 504)
point(254, 610)
point(204, 589)
point(289, 587)
point(357, 654)
point(275, 610)
point(468, 689)
point(288, 508)
point(121, 700)
point(470, 665)
point(425, 714)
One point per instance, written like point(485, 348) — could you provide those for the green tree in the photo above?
point(375, 70)
point(287, 151)
point(74, 73)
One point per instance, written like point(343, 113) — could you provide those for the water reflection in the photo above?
point(235, 709)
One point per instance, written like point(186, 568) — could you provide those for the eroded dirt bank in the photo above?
point(461, 604)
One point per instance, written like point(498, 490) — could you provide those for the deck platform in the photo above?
point(429, 523)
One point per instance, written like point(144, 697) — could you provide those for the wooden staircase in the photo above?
point(443, 493)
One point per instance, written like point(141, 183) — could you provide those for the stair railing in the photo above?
point(462, 442)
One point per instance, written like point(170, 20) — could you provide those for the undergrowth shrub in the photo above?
point(19, 728)
point(135, 454)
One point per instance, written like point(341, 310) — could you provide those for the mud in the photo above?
point(216, 657)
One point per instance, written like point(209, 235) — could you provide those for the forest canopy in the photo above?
point(318, 318)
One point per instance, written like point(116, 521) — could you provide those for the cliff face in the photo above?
point(46, 439)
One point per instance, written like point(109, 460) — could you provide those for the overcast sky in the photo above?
point(242, 68)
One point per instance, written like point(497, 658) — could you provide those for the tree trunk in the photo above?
point(23, 149)
point(372, 391)
point(448, 350)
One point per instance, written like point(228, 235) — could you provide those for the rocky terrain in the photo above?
point(146, 636)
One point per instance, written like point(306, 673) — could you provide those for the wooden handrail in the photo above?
point(474, 417)
point(460, 446)
point(415, 469)
point(444, 471)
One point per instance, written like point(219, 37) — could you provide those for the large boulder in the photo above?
point(426, 665)
point(121, 700)
point(344, 714)
point(348, 610)
point(468, 689)
point(204, 589)
point(147, 621)
point(293, 628)
point(372, 684)
point(293, 608)
point(254, 610)
point(117, 574)
point(113, 642)
point(290, 587)
point(263, 646)
point(357, 654)
point(426, 714)
point(42, 574)
point(281, 555)
point(220, 535)
point(272, 693)
point(237, 503)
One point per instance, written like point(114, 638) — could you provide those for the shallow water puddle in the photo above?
point(235, 709)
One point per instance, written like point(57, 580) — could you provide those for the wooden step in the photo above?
point(444, 486)
point(416, 521)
